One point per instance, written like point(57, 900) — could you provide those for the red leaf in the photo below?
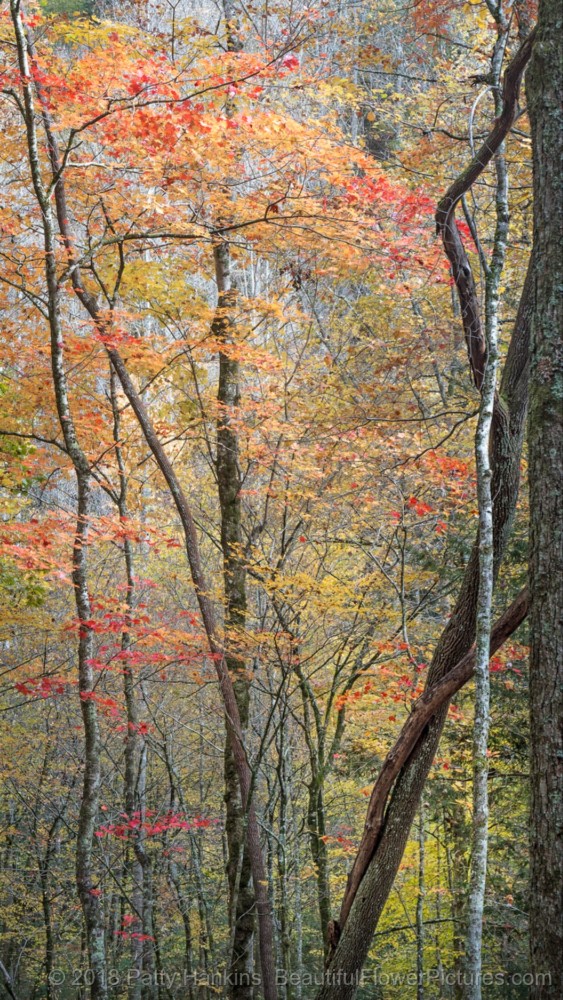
point(290, 61)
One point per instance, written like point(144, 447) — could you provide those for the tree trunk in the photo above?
point(88, 889)
point(480, 815)
point(545, 436)
point(241, 895)
point(316, 823)
point(133, 870)
point(241, 892)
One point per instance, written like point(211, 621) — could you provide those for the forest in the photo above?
point(281, 467)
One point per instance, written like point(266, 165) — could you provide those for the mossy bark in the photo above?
point(545, 437)
point(241, 894)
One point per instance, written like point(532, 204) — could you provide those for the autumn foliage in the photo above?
point(309, 145)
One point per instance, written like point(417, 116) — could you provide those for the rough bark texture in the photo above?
point(545, 432)
point(242, 891)
point(507, 435)
point(241, 908)
point(424, 710)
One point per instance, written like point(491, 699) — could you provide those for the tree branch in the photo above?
point(422, 712)
point(445, 214)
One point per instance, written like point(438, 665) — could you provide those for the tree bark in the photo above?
point(241, 893)
point(545, 438)
point(480, 816)
point(241, 902)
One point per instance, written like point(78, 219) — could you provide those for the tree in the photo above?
point(545, 442)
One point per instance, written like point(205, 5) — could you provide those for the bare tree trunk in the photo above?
point(132, 866)
point(88, 889)
point(241, 891)
point(241, 906)
point(480, 815)
point(545, 437)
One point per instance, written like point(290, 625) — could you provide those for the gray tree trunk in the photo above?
point(241, 894)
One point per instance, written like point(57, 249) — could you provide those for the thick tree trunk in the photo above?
point(545, 434)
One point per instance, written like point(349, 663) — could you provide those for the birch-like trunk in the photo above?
point(480, 816)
